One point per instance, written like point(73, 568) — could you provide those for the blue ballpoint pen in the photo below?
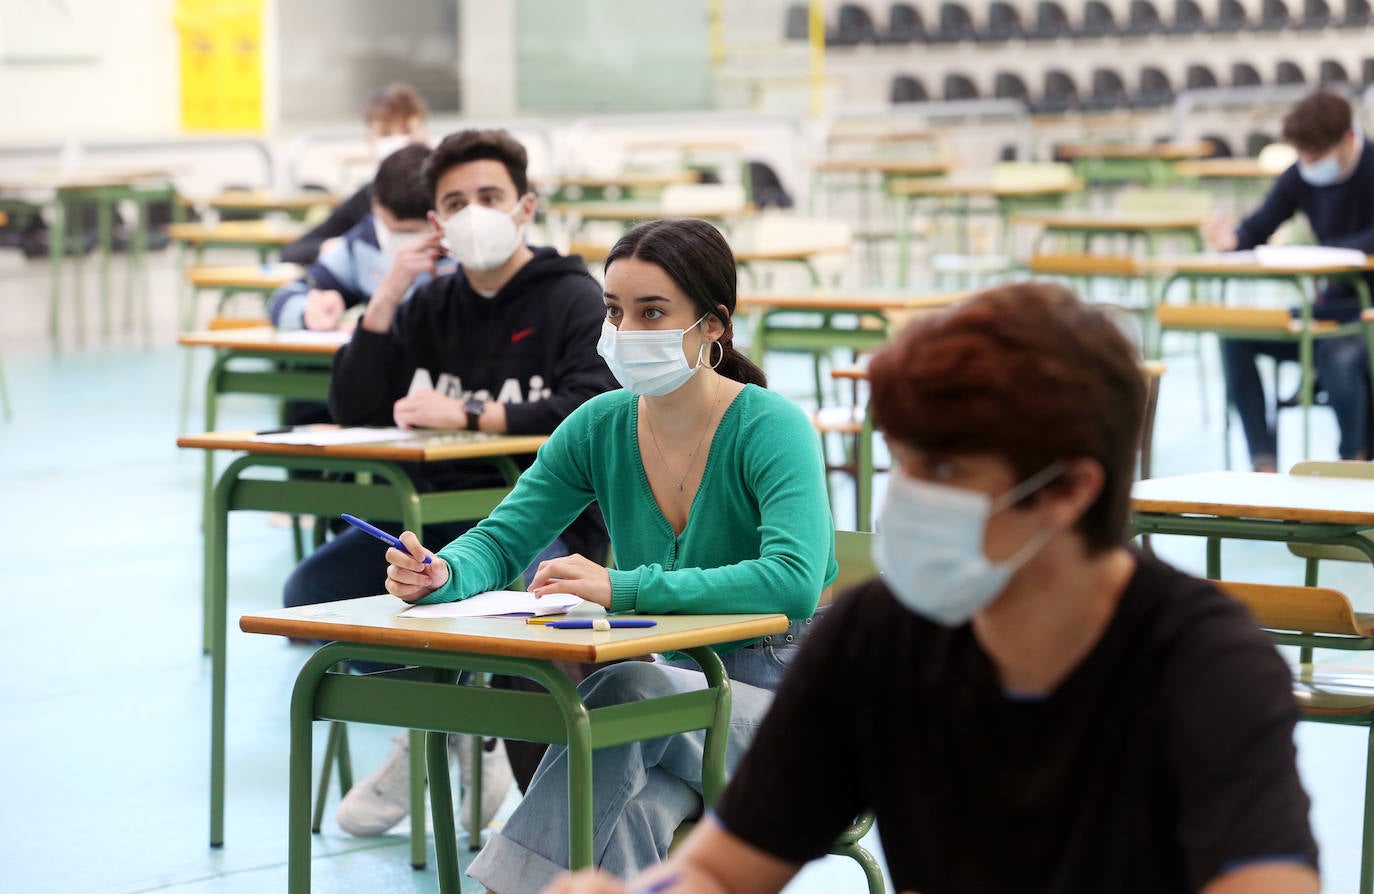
point(661, 885)
point(601, 624)
point(378, 533)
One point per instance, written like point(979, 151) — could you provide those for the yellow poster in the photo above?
point(221, 65)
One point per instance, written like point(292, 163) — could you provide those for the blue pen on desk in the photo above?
point(378, 533)
point(601, 624)
point(661, 885)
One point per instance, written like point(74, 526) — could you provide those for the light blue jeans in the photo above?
point(642, 791)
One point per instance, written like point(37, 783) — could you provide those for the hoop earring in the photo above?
point(719, 360)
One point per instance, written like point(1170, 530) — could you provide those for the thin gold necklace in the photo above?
point(691, 457)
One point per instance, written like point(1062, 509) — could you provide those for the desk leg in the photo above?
point(216, 584)
point(903, 239)
point(717, 734)
point(104, 209)
point(441, 803)
point(863, 480)
point(302, 751)
point(57, 245)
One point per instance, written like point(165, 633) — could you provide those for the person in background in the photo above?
point(1332, 184)
point(1023, 702)
point(395, 117)
point(504, 344)
point(347, 273)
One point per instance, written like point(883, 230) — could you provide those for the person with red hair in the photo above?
point(1024, 702)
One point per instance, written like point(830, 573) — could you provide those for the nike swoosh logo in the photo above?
point(521, 334)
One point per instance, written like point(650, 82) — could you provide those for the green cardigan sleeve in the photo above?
point(548, 496)
point(786, 475)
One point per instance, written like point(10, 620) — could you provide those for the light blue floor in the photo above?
point(104, 692)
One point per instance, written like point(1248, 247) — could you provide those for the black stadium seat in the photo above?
point(1200, 77)
point(1144, 20)
point(904, 25)
point(906, 88)
point(956, 24)
point(1051, 22)
point(1357, 14)
point(1243, 74)
point(1274, 16)
point(1098, 21)
point(797, 25)
point(855, 26)
point(1156, 91)
point(1231, 17)
point(1367, 73)
point(1008, 85)
point(1188, 18)
point(1332, 74)
point(1221, 147)
point(1316, 14)
point(1108, 91)
point(1060, 94)
point(1287, 72)
point(1004, 23)
point(958, 86)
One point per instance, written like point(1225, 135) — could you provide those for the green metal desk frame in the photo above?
point(1305, 286)
point(439, 705)
point(1215, 529)
point(395, 500)
point(813, 332)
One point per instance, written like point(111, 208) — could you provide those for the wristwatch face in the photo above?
point(474, 407)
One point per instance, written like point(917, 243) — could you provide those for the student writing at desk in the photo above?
point(1332, 184)
point(350, 270)
point(1025, 704)
point(713, 489)
point(507, 343)
point(395, 117)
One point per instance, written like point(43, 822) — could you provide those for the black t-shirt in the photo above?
point(1163, 760)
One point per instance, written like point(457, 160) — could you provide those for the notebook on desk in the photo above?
point(498, 604)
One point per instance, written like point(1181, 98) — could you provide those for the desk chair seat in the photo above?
point(1317, 617)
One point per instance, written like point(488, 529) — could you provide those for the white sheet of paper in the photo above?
point(330, 437)
point(497, 604)
point(1308, 256)
point(313, 337)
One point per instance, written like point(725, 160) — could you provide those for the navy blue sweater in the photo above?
point(1341, 215)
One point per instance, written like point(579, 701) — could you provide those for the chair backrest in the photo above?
point(956, 23)
point(1061, 92)
point(1313, 610)
point(1289, 72)
point(1108, 90)
point(854, 555)
point(904, 24)
point(1332, 73)
point(960, 86)
point(1243, 74)
point(1004, 22)
point(1098, 20)
point(1155, 88)
point(1274, 15)
point(797, 24)
point(1188, 17)
point(1231, 16)
point(908, 88)
point(1051, 20)
point(1144, 19)
point(1316, 14)
point(1009, 85)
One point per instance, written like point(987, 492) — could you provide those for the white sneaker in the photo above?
point(377, 803)
point(496, 776)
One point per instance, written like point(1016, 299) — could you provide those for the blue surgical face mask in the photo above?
point(1322, 172)
point(929, 545)
point(649, 363)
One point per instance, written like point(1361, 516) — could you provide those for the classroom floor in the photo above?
point(101, 562)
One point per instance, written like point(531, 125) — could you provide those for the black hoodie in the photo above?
point(531, 346)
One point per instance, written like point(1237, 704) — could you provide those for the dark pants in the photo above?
point(1341, 364)
point(352, 564)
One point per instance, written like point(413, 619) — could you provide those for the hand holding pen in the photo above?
point(412, 573)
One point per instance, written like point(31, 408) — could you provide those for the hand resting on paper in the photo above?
point(573, 574)
point(407, 577)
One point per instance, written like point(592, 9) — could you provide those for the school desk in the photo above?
point(956, 196)
point(1149, 230)
point(259, 203)
point(104, 188)
point(369, 629)
point(573, 188)
point(376, 487)
point(1148, 163)
point(1256, 506)
point(1226, 269)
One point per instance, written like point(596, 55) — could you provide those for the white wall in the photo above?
point(129, 91)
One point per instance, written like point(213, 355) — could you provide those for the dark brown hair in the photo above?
point(474, 145)
point(697, 257)
point(398, 186)
point(1317, 123)
point(1026, 372)
point(395, 102)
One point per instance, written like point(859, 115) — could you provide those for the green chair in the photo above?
point(1320, 618)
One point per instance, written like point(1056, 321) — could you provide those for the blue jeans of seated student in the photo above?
point(352, 564)
point(641, 791)
point(1342, 364)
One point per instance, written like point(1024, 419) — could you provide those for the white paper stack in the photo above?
point(498, 604)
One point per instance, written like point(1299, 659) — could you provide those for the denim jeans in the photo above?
point(352, 564)
point(1343, 367)
point(641, 791)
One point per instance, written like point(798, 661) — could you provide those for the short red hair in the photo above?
point(1026, 372)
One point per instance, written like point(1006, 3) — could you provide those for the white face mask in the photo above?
point(929, 546)
point(390, 241)
point(648, 363)
point(482, 238)
point(384, 146)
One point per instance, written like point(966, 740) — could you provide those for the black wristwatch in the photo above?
point(474, 408)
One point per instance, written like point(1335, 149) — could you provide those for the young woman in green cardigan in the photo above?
point(713, 490)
